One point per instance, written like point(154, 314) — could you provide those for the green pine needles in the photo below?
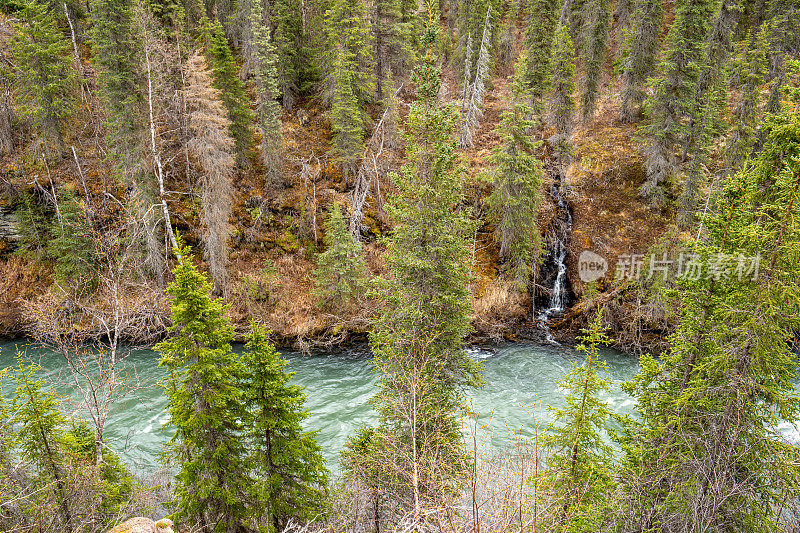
point(268, 110)
point(418, 339)
point(580, 467)
point(351, 81)
point(596, 22)
point(73, 246)
point(232, 92)
point(562, 104)
point(117, 51)
point(539, 41)
point(517, 181)
point(642, 46)
point(707, 453)
point(341, 277)
point(674, 93)
point(287, 462)
point(206, 404)
point(44, 79)
point(243, 455)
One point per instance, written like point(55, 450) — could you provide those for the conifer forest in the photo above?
point(400, 266)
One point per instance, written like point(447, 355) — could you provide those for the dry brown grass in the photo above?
point(498, 309)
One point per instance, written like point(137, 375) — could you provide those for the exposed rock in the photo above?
point(144, 525)
point(9, 229)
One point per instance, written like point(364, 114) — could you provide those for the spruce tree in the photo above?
point(351, 81)
point(348, 38)
point(206, 404)
point(472, 21)
point(347, 124)
point(8, 484)
point(674, 91)
point(292, 52)
point(707, 453)
point(73, 246)
point(418, 338)
point(517, 181)
point(117, 49)
point(704, 116)
point(43, 76)
point(596, 21)
point(268, 110)
point(341, 276)
point(562, 105)
point(231, 89)
point(40, 429)
point(642, 45)
point(748, 75)
point(288, 466)
point(391, 48)
point(580, 467)
point(539, 42)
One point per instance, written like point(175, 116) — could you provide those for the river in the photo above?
point(520, 384)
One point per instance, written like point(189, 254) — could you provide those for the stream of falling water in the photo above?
point(559, 296)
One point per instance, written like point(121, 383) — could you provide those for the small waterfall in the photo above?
point(555, 266)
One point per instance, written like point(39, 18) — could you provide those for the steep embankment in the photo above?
point(278, 227)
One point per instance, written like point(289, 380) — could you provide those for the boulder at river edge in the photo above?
point(144, 525)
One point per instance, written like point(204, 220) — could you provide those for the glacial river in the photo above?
point(520, 384)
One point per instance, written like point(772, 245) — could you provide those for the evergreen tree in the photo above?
point(73, 246)
point(43, 77)
point(8, 484)
point(268, 111)
point(539, 42)
point(704, 116)
point(412, 17)
point(391, 48)
point(580, 466)
point(748, 75)
point(291, 50)
point(640, 64)
point(117, 49)
point(517, 181)
point(287, 462)
point(417, 340)
point(674, 90)
point(472, 21)
point(707, 453)
point(231, 89)
point(347, 124)
point(341, 275)
point(562, 106)
point(349, 41)
point(34, 223)
point(40, 433)
point(623, 15)
point(596, 21)
point(211, 148)
point(206, 405)
point(351, 83)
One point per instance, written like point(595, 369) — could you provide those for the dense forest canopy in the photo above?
point(417, 175)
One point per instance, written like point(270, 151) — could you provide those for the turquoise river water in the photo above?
point(520, 384)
